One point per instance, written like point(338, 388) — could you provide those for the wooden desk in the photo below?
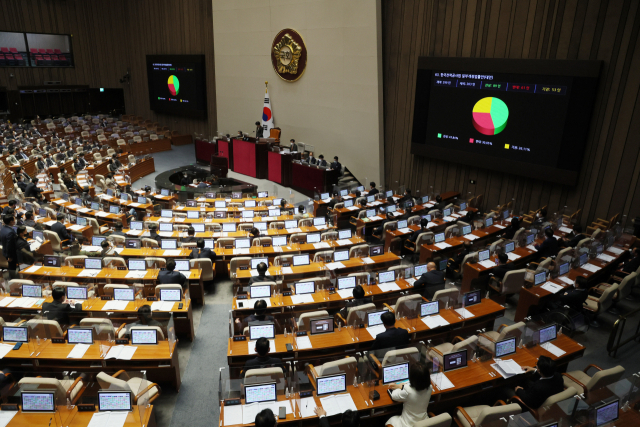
point(160, 361)
point(475, 271)
point(531, 298)
point(140, 169)
point(86, 231)
point(182, 317)
point(73, 418)
point(300, 272)
point(309, 179)
point(102, 217)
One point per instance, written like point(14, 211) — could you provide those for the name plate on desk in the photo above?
point(9, 407)
point(86, 407)
point(286, 293)
point(241, 296)
point(301, 333)
point(152, 298)
point(231, 402)
point(105, 298)
point(122, 268)
point(122, 341)
point(58, 340)
point(239, 338)
point(306, 393)
point(266, 245)
point(15, 294)
point(81, 267)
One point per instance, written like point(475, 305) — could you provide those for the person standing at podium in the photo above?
point(259, 130)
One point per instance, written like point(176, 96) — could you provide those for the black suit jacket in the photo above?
point(261, 362)
point(324, 422)
point(57, 311)
point(40, 164)
point(631, 265)
point(392, 338)
point(61, 230)
point(429, 283)
point(293, 147)
point(336, 166)
point(575, 240)
point(311, 160)
point(353, 303)
point(258, 279)
point(8, 238)
point(204, 253)
point(322, 162)
point(548, 248)
point(373, 191)
point(500, 270)
point(534, 395)
point(574, 298)
point(32, 190)
point(166, 277)
point(22, 185)
point(25, 256)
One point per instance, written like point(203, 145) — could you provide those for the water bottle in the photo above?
point(69, 405)
point(286, 392)
point(355, 381)
point(339, 326)
point(38, 340)
point(285, 332)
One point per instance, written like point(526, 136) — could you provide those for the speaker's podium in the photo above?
point(250, 157)
point(219, 166)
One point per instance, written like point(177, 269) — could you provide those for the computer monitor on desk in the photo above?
point(137, 264)
point(15, 334)
point(261, 330)
point(340, 256)
point(455, 360)
point(300, 260)
point(80, 335)
point(76, 292)
point(331, 384)
point(375, 250)
point(472, 298)
point(229, 227)
point(374, 317)
point(346, 282)
point(265, 392)
point(121, 294)
point(344, 234)
point(429, 308)
point(439, 237)
point(37, 401)
point(132, 243)
point(483, 255)
point(192, 215)
point(606, 413)
point(539, 278)
point(386, 276)
point(114, 401)
point(279, 241)
point(32, 291)
point(506, 347)
point(274, 212)
point(304, 287)
point(313, 238)
point(291, 223)
point(509, 247)
point(260, 291)
point(395, 373)
point(51, 261)
point(321, 325)
point(547, 334)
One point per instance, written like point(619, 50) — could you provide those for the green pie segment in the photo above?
point(490, 116)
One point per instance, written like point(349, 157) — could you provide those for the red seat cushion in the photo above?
point(42, 51)
point(58, 51)
point(13, 50)
point(4, 49)
point(33, 50)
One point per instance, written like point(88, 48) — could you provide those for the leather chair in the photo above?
point(598, 305)
point(489, 339)
point(479, 415)
point(458, 343)
point(551, 400)
point(122, 381)
point(72, 390)
point(304, 319)
point(583, 383)
point(510, 284)
point(208, 273)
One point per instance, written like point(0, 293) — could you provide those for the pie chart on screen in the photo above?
point(174, 85)
point(490, 116)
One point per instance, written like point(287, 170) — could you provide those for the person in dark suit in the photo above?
point(423, 229)
point(503, 267)
point(28, 219)
point(25, 256)
point(440, 205)
point(11, 205)
point(358, 299)
point(191, 236)
point(349, 418)
point(632, 264)
point(430, 282)
point(259, 130)
point(185, 179)
point(118, 230)
point(153, 234)
point(259, 314)
point(405, 197)
point(541, 217)
point(293, 147)
point(40, 164)
point(335, 199)
point(116, 162)
point(311, 160)
point(372, 189)
point(321, 161)
point(262, 274)
point(455, 262)
point(390, 217)
point(169, 276)
point(263, 360)
point(60, 229)
point(550, 245)
point(201, 252)
point(33, 190)
point(58, 310)
point(511, 229)
point(391, 338)
point(573, 297)
point(577, 236)
point(21, 184)
point(8, 238)
point(549, 383)
point(335, 165)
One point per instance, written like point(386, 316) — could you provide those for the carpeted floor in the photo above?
point(200, 362)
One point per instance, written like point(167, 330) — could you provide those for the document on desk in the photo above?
point(321, 227)
point(462, 213)
point(405, 230)
point(512, 256)
point(91, 248)
point(76, 227)
point(466, 314)
point(509, 367)
point(118, 250)
point(338, 403)
point(108, 419)
point(375, 330)
point(294, 230)
point(388, 287)
point(165, 233)
point(343, 242)
point(372, 218)
point(566, 280)
point(334, 265)
point(565, 229)
point(121, 352)
point(102, 213)
point(470, 237)
point(251, 302)
point(73, 206)
point(487, 263)
point(442, 245)
point(532, 248)
point(321, 245)
point(83, 210)
point(134, 204)
point(287, 270)
point(136, 274)
point(448, 218)
point(368, 260)
point(7, 416)
point(431, 224)
point(4, 349)
point(307, 407)
point(552, 287)
point(179, 219)
point(162, 219)
point(592, 268)
point(553, 349)
point(232, 415)
point(441, 381)
point(23, 302)
point(135, 232)
point(353, 208)
point(616, 251)
point(303, 343)
point(115, 305)
point(50, 223)
point(302, 299)
point(345, 293)
point(606, 258)
point(8, 300)
point(249, 412)
point(162, 305)
point(78, 351)
point(251, 346)
point(89, 273)
point(411, 280)
point(326, 200)
point(172, 252)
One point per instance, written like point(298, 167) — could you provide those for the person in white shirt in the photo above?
point(415, 395)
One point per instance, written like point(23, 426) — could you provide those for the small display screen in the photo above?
point(386, 276)
point(439, 237)
point(564, 268)
point(331, 384)
point(420, 269)
point(242, 243)
point(135, 225)
point(93, 263)
point(76, 292)
point(114, 209)
point(319, 221)
point(547, 334)
point(123, 294)
point(170, 295)
point(132, 243)
point(247, 214)
point(509, 247)
point(429, 308)
point(15, 334)
point(374, 318)
point(488, 222)
point(38, 401)
point(262, 226)
point(346, 282)
point(395, 373)
point(455, 360)
point(198, 228)
point(114, 401)
point(539, 278)
point(313, 238)
point(192, 215)
point(260, 393)
point(51, 261)
point(321, 326)
point(260, 291)
point(506, 347)
point(484, 255)
point(344, 234)
point(279, 241)
point(144, 336)
point(166, 213)
point(97, 241)
point(220, 204)
point(264, 330)
point(305, 288)
point(301, 260)
point(183, 265)
point(80, 335)
point(137, 264)
point(33, 291)
point(274, 212)
point(376, 250)
point(340, 256)
point(250, 204)
point(472, 298)
point(229, 228)
point(169, 244)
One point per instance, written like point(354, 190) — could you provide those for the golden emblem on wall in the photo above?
point(289, 55)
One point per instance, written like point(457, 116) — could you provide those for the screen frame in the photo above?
point(331, 392)
point(384, 381)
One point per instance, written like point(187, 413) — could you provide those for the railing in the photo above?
point(615, 337)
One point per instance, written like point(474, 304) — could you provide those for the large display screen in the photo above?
point(177, 85)
point(527, 117)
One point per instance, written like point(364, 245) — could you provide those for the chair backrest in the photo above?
point(596, 233)
point(469, 344)
point(237, 263)
point(156, 262)
point(329, 235)
point(283, 259)
point(604, 378)
point(583, 242)
point(206, 266)
point(255, 376)
point(513, 281)
point(150, 243)
point(442, 420)
point(395, 356)
point(553, 399)
point(492, 414)
point(426, 237)
point(359, 251)
point(45, 328)
point(259, 241)
point(298, 238)
point(515, 330)
point(108, 382)
point(446, 294)
point(45, 384)
point(303, 320)
point(353, 313)
point(114, 260)
point(74, 260)
point(565, 251)
point(344, 365)
point(626, 286)
point(606, 299)
point(323, 256)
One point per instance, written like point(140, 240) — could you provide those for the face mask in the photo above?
point(537, 215)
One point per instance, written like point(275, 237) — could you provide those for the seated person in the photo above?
point(153, 234)
point(262, 274)
point(201, 252)
point(440, 205)
point(144, 319)
point(391, 338)
point(28, 219)
point(358, 299)
point(550, 245)
point(263, 360)
point(390, 217)
point(430, 282)
point(59, 309)
point(423, 229)
point(571, 242)
point(259, 315)
point(300, 213)
point(631, 265)
point(541, 217)
point(335, 199)
point(511, 229)
point(549, 383)
point(415, 396)
point(503, 266)
point(60, 229)
point(350, 418)
point(169, 276)
point(118, 230)
point(573, 297)
point(191, 236)
point(25, 255)
point(265, 418)
point(372, 189)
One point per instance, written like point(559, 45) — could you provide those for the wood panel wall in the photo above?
point(113, 36)
point(533, 29)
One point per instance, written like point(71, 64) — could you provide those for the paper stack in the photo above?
point(108, 419)
point(115, 305)
point(337, 403)
point(375, 330)
point(487, 263)
point(552, 287)
point(162, 305)
point(334, 265)
point(434, 321)
point(121, 352)
point(78, 351)
point(302, 299)
point(389, 287)
point(553, 349)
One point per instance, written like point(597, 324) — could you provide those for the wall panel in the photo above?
point(537, 29)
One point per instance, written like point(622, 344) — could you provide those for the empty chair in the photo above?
point(583, 383)
point(208, 273)
point(44, 328)
point(74, 260)
point(122, 381)
point(114, 261)
point(238, 263)
point(551, 400)
point(347, 365)
point(359, 251)
point(303, 320)
point(511, 283)
point(356, 312)
point(446, 295)
point(150, 243)
point(155, 262)
point(71, 389)
point(469, 344)
point(479, 415)
point(598, 305)
point(323, 256)
point(489, 339)
point(272, 374)
point(97, 157)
